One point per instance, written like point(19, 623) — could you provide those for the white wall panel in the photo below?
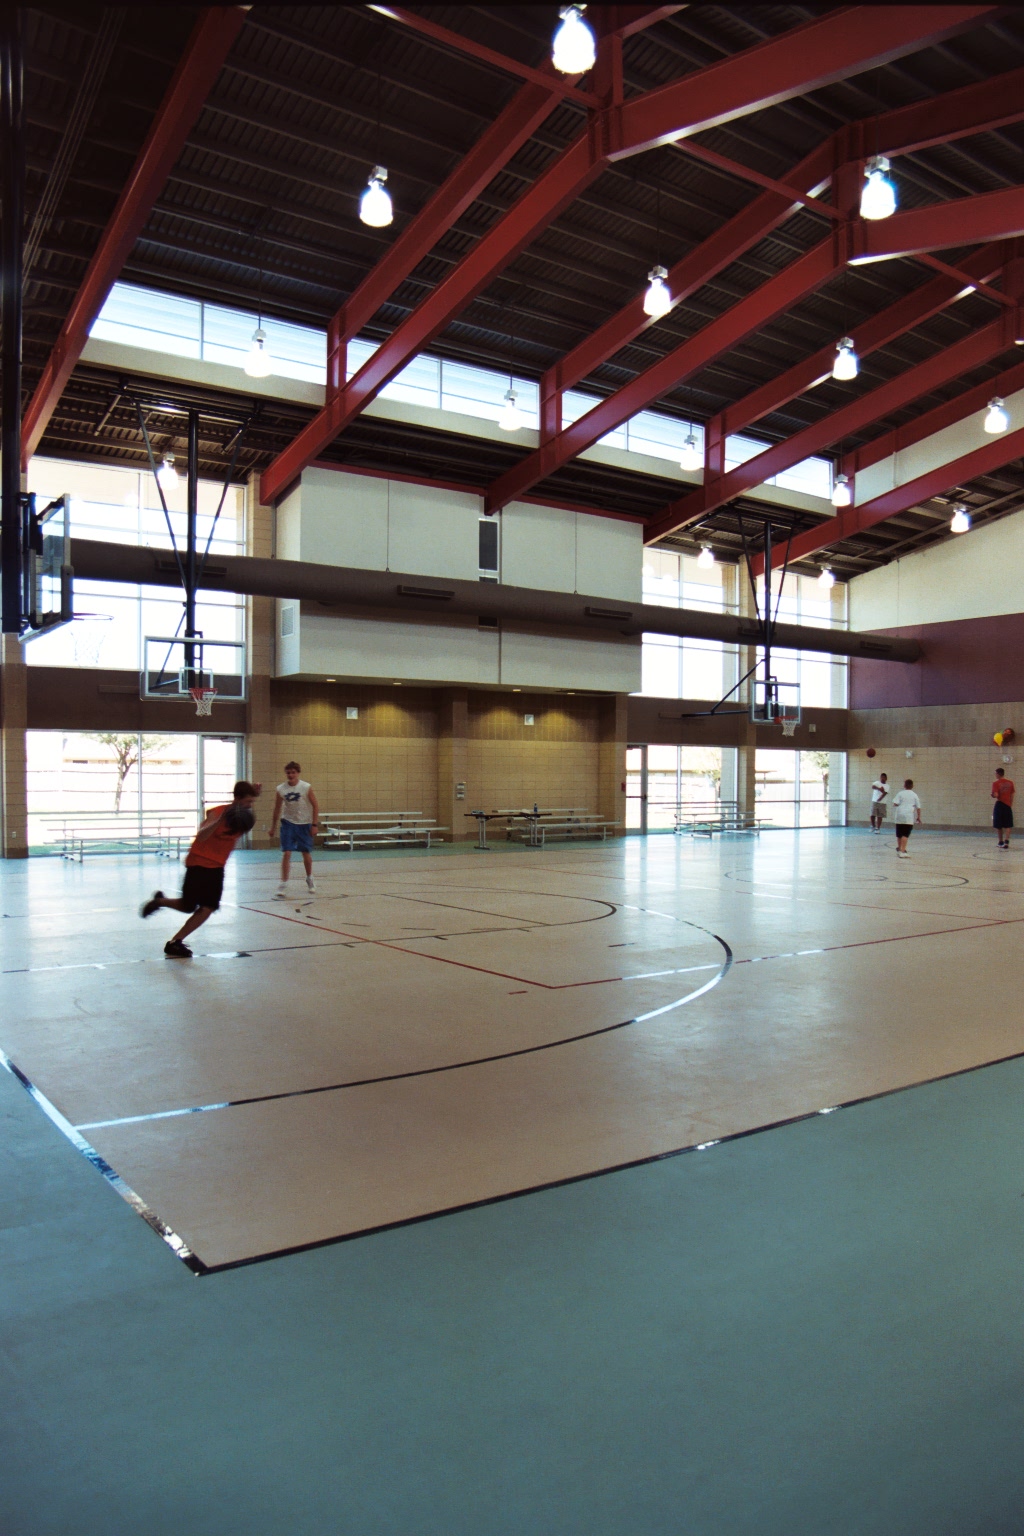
point(538, 547)
point(434, 532)
point(557, 661)
point(335, 646)
point(609, 557)
point(344, 519)
point(971, 576)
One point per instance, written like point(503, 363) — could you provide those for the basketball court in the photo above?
point(431, 1032)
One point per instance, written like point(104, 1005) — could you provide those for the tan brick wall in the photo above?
point(953, 763)
point(555, 762)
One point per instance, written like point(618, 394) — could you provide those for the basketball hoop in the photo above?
point(203, 699)
point(788, 727)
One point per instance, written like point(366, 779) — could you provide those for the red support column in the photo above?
point(194, 78)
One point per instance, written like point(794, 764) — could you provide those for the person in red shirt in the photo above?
point(211, 848)
point(1002, 811)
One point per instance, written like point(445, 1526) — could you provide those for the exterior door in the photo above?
point(220, 765)
point(636, 790)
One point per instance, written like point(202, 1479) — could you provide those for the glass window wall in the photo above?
point(123, 505)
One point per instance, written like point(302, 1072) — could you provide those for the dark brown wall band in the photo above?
point(341, 587)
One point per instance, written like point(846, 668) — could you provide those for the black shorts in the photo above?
point(1002, 814)
point(202, 887)
point(904, 828)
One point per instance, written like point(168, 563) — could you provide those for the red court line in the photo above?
point(548, 986)
point(897, 938)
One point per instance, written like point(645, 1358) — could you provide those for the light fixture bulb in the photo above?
point(996, 419)
point(511, 418)
point(706, 558)
point(691, 457)
point(961, 520)
point(847, 363)
point(826, 580)
point(657, 299)
point(841, 496)
point(167, 475)
point(257, 364)
point(375, 204)
point(878, 195)
point(573, 50)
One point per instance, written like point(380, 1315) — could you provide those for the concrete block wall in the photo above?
point(953, 763)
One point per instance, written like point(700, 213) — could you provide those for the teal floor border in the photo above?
point(815, 1329)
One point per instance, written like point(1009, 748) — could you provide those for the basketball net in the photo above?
point(789, 727)
point(203, 698)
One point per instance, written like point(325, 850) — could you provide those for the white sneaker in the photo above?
point(310, 885)
point(281, 892)
point(902, 855)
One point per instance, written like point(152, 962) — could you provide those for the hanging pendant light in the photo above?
point(258, 364)
point(878, 195)
point(511, 418)
point(573, 50)
point(847, 363)
point(657, 299)
point(691, 457)
point(167, 475)
point(841, 495)
point(996, 419)
point(826, 581)
point(706, 558)
point(375, 204)
point(961, 521)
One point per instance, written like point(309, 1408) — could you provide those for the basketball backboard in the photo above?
point(49, 579)
point(171, 666)
point(775, 703)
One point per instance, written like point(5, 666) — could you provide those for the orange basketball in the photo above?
point(871, 752)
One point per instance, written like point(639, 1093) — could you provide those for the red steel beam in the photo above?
point(193, 79)
point(910, 385)
point(772, 298)
point(559, 85)
point(493, 150)
point(986, 460)
point(700, 266)
point(834, 46)
point(978, 108)
point(972, 109)
point(948, 414)
point(814, 55)
point(912, 310)
point(965, 221)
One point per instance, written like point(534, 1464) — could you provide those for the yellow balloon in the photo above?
point(998, 738)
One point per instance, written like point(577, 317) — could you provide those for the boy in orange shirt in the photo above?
point(211, 848)
point(1002, 811)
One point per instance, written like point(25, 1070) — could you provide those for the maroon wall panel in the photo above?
point(967, 661)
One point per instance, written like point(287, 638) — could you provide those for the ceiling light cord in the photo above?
point(376, 209)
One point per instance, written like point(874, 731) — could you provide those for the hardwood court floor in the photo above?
point(434, 1031)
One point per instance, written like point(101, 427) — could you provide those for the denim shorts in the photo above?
point(296, 837)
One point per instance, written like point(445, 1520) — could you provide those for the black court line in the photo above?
point(174, 1241)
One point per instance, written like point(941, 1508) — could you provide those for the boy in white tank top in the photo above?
point(296, 808)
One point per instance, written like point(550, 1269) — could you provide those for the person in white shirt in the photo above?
point(295, 806)
point(879, 796)
point(906, 808)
